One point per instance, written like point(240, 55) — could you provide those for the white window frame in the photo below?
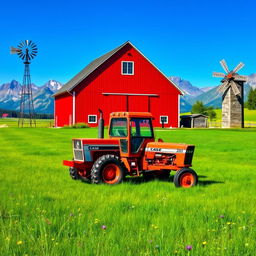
point(166, 119)
point(92, 122)
point(126, 74)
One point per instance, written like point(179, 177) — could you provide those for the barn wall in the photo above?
point(108, 78)
point(63, 110)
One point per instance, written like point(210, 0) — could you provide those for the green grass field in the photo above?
point(13, 122)
point(44, 212)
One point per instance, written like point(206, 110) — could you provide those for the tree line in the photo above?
point(251, 102)
point(13, 113)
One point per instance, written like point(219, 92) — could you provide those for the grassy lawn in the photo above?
point(44, 212)
point(13, 122)
point(249, 117)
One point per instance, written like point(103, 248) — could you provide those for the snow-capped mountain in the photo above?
point(186, 86)
point(252, 80)
point(208, 95)
point(43, 102)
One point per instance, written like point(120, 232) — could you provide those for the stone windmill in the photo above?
point(232, 88)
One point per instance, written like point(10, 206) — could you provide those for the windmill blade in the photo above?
point(218, 74)
point(234, 87)
point(27, 42)
point(241, 78)
point(224, 65)
point(223, 87)
point(238, 67)
point(21, 44)
point(14, 50)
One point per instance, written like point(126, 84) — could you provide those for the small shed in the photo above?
point(193, 121)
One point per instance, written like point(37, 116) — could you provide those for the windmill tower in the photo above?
point(26, 50)
point(232, 88)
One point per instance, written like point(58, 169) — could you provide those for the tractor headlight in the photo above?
point(77, 144)
point(78, 150)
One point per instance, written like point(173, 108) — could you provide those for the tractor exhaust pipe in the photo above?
point(101, 126)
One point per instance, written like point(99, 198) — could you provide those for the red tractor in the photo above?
point(130, 150)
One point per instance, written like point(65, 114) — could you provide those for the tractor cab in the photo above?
point(133, 130)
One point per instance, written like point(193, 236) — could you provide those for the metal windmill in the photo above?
point(232, 88)
point(26, 50)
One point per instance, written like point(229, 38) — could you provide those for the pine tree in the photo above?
point(251, 104)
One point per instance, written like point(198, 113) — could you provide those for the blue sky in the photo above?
point(182, 38)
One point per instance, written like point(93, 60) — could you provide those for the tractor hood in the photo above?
point(167, 147)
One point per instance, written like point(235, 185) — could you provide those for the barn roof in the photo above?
point(71, 84)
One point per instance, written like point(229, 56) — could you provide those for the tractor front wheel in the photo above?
point(108, 169)
point(186, 178)
point(74, 173)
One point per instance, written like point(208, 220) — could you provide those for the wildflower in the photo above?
point(19, 242)
point(157, 247)
point(53, 239)
point(229, 223)
point(189, 247)
point(71, 214)
point(154, 226)
point(246, 244)
point(204, 242)
point(47, 221)
point(221, 216)
point(96, 221)
point(104, 227)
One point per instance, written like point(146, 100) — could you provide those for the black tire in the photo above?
point(100, 170)
point(73, 173)
point(185, 177)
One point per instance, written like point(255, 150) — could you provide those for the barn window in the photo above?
point(164, 119)
point(127, 68)
point(92, 119)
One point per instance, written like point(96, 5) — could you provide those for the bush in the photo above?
point(199, 108)
point(77, 125)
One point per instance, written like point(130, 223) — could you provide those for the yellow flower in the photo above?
point(229, 223)
point(19, 242)
point(204, 242)
point(96, 221)
point(53, 239)
point(246, 244)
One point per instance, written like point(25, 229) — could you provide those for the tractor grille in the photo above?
point(78, 150)
point(189, 155)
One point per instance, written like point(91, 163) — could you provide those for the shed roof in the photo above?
point(91, 67)
point(193, 116)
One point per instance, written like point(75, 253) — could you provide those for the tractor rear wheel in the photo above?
point(186, 178)
point(108, 169)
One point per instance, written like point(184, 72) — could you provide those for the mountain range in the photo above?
point(44, 103)
point(208, 95)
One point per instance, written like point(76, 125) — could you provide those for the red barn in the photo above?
point(121, 80)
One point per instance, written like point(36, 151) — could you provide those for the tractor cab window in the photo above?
point(141, 128)
point(118, 127)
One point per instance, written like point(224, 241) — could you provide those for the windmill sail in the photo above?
point(241, 78)
point(234, 88)
point(223, 87)
point(218, 74)
point(238, 67)
point(224, 65)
